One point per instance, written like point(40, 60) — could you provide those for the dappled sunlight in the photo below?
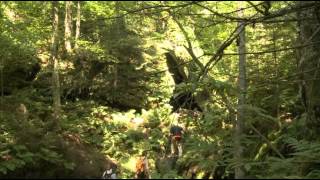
point(130, 164)
point(159, 89)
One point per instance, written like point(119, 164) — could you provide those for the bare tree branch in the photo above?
point(285, 11)
point(220, 14)
point(278, 13)
point(267, 141)
point(269, 51)
point(162, 7)
point(255, 7)
point(189, 48)
point(219, 53)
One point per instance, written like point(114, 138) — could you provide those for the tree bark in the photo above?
point(239, 171)
point(68, 27)
point(77, 26)
point(55, 63)
point(309, 59)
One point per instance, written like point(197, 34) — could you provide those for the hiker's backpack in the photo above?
point(176, 133)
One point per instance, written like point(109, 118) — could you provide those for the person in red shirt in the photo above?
point(176, 140)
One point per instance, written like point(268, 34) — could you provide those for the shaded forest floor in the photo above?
point(91, 137)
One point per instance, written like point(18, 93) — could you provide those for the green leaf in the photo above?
point(18, 162)
point(247, 167)
point(69, 165)
point(19, 147)
point(11, 166)
point(27, 154)
point(3, 170)
point(4, 152)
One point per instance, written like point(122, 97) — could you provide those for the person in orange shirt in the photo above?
point(142, 167)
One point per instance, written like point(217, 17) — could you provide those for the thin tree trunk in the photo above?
point(68, 27)
point(77, 26)
point(119, 25)
point(239, 171)
point(277, 91)
point(55, 63)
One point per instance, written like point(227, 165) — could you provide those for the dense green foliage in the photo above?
point(160, 62)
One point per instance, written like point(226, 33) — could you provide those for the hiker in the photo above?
point(176, 140)
point(110, 173)
point(142, 169)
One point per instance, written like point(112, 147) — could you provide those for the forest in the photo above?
point(160, 89)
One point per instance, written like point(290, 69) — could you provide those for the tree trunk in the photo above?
point(277, 90)
point(68, 27)
point(119, 25)
point(309, 65)
point(55, 63)
point(77, 26)
point(184, 99)
point(239, 172)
